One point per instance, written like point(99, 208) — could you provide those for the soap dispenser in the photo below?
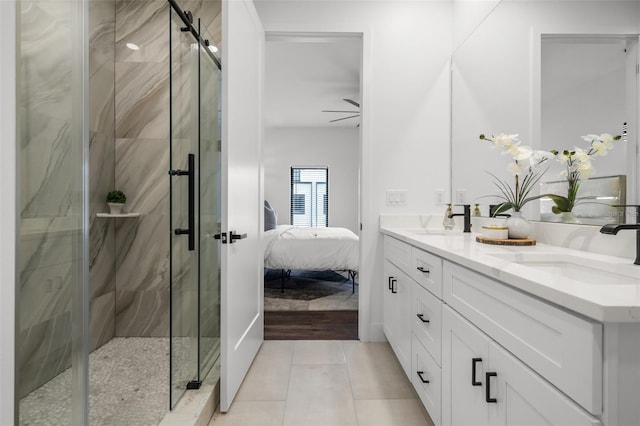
point(448, 221)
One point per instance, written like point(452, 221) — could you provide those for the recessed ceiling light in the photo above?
point(213, 48)
point(133, 46)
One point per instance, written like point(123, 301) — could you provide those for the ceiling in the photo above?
point(308, 74)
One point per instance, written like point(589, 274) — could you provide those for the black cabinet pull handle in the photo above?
point(474, 362)
point(393, 287)
point(423, 270)
point(421, 316)
point(422, 379)
point(487, 378)
point(390, 285)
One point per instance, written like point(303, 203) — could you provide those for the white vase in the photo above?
point(519, 227)
point(115, 208)
point(568, 217)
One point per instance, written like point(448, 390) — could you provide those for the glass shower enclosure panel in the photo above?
point(52, 308)
point(210, 211)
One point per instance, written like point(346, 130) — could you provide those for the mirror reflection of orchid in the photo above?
point(578, 165)
point(525, 167)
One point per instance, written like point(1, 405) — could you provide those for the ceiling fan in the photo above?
point(356, 113)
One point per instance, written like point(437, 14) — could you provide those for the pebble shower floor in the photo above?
point(127, 386)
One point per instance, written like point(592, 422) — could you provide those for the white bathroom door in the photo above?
point(242, 323)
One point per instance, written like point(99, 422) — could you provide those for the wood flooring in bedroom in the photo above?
point(311, 325)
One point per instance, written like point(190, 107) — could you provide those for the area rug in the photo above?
point(309, 291)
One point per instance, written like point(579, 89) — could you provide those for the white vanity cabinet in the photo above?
point(480, 352)
point(396, 304)
point(412, 317)
point(483, 384)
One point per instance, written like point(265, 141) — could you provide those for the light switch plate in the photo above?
point(397, 197)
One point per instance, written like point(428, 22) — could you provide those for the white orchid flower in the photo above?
point(583, 166)
point(607, 140)
point(563, 158)
point(585, 170)
point(591, 137)
point(538, 157)
point(599, 148)
point(564, 173)
point(505, 141)
point(581, 155)
point(514, 168)
point(522, 152)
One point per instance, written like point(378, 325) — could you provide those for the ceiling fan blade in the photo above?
point(350, 112)
point(344, 118)
point(352, 102)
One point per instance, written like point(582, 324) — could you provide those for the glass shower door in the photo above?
point(195, 207)
point(210, 210)
point(184, 204)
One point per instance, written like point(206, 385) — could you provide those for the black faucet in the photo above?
point(613, 228)
point(467, 216)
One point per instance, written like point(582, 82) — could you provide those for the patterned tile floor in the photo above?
point(325, 383)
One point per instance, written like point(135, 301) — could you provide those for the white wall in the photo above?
point(335, 148)
point(8, 213)
point(405, 111)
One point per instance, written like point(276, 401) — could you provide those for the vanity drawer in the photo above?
point(398, 253)
point(562, 347)
point(426, 324)
point(426, 269)
point(424, 369)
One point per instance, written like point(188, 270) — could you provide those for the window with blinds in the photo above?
point(310, 196)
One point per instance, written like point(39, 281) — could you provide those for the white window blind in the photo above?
point(310, 196)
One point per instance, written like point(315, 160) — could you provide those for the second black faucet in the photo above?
point(467, 216)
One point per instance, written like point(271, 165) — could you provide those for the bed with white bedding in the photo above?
point(316, 249)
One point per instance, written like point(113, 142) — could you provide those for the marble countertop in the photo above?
point(602, 301)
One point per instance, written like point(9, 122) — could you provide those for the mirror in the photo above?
point(550, 71)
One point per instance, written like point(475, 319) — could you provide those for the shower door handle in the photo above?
point(190, 172)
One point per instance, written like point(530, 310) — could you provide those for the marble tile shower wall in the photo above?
point(48, 236)
point(142, 160)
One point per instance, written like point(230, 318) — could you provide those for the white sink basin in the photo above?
point(434, 232)
point(577, 268)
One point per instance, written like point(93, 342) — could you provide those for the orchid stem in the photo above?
point(516, 199)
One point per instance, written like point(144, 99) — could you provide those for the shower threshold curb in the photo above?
point(195, 408)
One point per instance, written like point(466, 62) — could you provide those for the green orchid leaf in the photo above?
point(562, 204)
point(503, 208)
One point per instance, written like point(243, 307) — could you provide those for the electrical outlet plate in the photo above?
point(461, 196)
point(439, 196)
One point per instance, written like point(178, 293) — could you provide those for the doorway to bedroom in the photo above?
point(311, 162)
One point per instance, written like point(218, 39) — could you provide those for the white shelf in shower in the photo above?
point(118, 215)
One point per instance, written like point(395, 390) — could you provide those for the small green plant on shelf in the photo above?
point(116, 197)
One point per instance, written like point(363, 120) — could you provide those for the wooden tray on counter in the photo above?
point(509, 242)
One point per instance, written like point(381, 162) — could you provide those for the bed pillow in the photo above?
point(270, 216)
